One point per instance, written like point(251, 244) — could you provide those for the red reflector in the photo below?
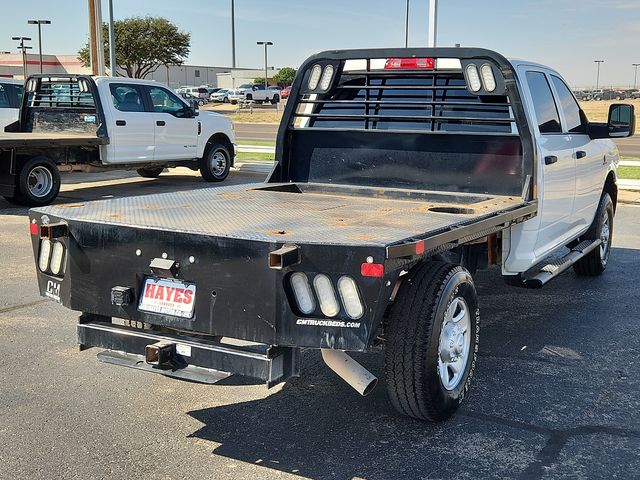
point(33, 228)
point(372, 270)
point(420, 247)
point(409, 63)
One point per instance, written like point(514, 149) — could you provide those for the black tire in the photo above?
point(595, 262)
point(38, 182)
point(211, 168)
point(248, 96)
point(275, 100)
point(225, 100)
point(412, 346)
point(150, 172)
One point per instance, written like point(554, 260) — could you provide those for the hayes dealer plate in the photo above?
point(168, 297)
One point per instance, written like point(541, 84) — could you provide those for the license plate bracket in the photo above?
point(167, 296)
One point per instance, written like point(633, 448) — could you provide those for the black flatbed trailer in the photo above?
point(380, 174)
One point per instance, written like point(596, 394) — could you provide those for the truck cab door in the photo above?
point(132, 131)
point(556, 162)
point(590, 156)
point(176, 129)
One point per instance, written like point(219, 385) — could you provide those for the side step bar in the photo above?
point(552, 270)
point(186, 357)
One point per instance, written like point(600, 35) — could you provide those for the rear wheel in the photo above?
point(275, 100)
point(595, 262)
point(150, 172)
point(432, 341)
point(38, 182)
point(215, 165)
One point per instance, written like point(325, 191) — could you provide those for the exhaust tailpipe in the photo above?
point(361, 379)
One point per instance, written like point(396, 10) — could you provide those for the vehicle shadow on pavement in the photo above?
point(550, 398)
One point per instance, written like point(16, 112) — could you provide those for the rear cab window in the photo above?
point(127, 98)
point(544, 104)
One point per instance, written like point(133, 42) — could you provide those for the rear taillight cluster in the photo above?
point(51, 251)
point(321, 292)
point(51, 258)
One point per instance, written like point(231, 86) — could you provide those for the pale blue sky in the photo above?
point(566, 34)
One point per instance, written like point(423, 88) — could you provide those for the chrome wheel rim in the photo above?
point(218, 163)
point(454, 344)
point(605, 238)
point(40, 182)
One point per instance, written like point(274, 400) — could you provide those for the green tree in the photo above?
point(285, 76)
point(258, 81)
point(143, 44)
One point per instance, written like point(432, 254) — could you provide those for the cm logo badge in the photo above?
point(53, 290)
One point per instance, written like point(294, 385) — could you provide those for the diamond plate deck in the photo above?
point(249, 212)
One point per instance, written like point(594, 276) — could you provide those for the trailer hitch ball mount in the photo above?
point(160, 353)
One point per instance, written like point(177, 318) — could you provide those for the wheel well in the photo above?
point(223, 139)
point(611, 188)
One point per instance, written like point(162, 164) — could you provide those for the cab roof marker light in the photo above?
point(314, 77)
point(412, 63)
point(327, 77)
point(448, 64)
point(352, 65)
point(473, 77)
point(377, 63)
point(488, 80)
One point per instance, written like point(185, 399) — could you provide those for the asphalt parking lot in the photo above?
point(555, 395)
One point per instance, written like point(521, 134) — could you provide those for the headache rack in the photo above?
point(401, 100)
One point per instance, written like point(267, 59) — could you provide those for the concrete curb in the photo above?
point(256, 167)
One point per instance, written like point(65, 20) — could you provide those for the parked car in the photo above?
point(635, 94)
point(236, 96)
point(106, 123)
point(285, 92)
point(201, 92)
point(221, 95)
point(193, 100)
point(10, 98)
point(608, 94)
point(583, 95)
point(259, 94)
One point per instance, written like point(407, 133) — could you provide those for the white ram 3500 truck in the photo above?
point(83, 123)
point(399, 173)
point(10, 97)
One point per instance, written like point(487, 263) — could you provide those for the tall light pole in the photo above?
point(598, 62)
point(233, 34)
point(266, 44)
point(635, 75)
point(112, 41)
point(24, 49)
point(433, 23)
point(39, 23)
point(406, 27)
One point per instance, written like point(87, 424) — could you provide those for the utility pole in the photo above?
point(233, 34)
point(96, 44)
point(39, 23)
point(406, 27)
point(598, 62)
point(266, 44)
point(24, 49)
point(635, 75)
point(112, 42)
point(433, 23)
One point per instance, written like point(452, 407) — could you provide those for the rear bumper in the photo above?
point(190, 358)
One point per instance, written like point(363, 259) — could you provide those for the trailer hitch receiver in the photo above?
point(160, 353)
point(285, 256)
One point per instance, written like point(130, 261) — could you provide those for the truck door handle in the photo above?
point(160, 123)
point(550, 159)
point(581, 154)
point(121, 123)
